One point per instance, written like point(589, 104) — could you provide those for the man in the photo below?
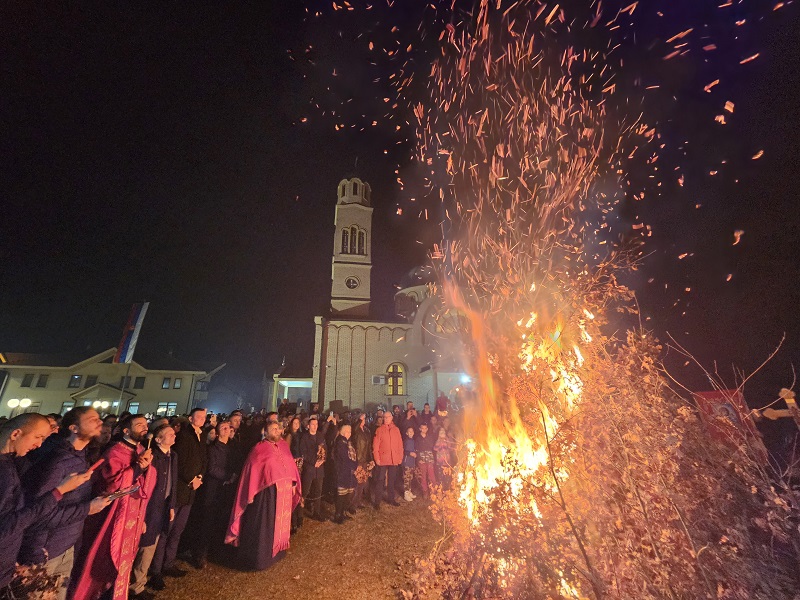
point(111, 538)
point(426, 415)
point(18, 436)
point(314, 453)
point(269, 489)
point(51, 540)
point(160, 510)
point(362, 442)
point(376, 423)
point(284, 410)
point(191, 453)
point(387, 450)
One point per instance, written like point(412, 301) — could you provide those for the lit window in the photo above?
point(177, 384)
point(345, 241)
point(395, 379)
point(90, 381)
point(87, 402)
point(42, 381)
point(167, 409)
point(75, 381)
point(165, 383)
point(133, 408)
point(138, 383)
point(67, 406)
point(27, 380)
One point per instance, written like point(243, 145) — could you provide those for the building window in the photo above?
point(124, 382)
point(27, 380)
point(42, 381)
point(138, 383)
point(165, 383)
point(395, 379)
point(67, 406)
point(166, 409)
point(201, 386)
point(90, 381)
point(133, 408)
point(345, 241)
point(362, 243)
point(177, 383)
point(75, 381)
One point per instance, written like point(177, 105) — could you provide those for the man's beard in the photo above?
point(136, 437)
point(88, 437)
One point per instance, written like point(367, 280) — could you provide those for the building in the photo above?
point(362, 362)
point(50, 383)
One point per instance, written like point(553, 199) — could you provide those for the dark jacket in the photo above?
point(309, 445)
point(60, 530)
point(192, 460)
point(16, 516)
point(164, 496)
point(345, 465)
point(362, 442)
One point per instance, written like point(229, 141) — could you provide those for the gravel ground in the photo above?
point(367, 558)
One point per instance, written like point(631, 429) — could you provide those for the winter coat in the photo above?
point(387, 447)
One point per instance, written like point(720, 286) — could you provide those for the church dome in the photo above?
point(422, 275)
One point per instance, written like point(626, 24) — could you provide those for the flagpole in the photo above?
point(122, 388)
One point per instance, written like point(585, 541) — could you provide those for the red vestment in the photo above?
point(111, 537)
point(269, 463)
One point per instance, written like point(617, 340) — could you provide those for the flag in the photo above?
point(131, 333)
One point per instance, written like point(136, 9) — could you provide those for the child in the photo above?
point(409, 464)
point(424, 447)
point(442, 451)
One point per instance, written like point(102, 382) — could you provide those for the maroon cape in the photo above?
point(269, 463)
point(111, 537)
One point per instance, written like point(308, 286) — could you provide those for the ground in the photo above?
point(367, 558)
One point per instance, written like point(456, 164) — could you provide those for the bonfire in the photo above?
point(582, 474)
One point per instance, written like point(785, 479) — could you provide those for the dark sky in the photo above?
point(156, 152)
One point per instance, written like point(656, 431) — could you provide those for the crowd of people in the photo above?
point(95, 507)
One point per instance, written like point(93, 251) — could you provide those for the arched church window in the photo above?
point(345, 241)
point(362, 243)
point(355, 189)
point(353, 239)
point(395, 379)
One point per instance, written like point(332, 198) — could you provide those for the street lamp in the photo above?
point(13, 403)
point(25, 403)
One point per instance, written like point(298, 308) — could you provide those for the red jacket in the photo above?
point(387, 447)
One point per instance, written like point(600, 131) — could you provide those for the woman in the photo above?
point(292, 437)
point(362, 442)
point(346, 463)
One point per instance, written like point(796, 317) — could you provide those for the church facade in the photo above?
point(362, 363)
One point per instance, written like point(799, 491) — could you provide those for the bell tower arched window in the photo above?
point(395, 379)
point(354, 240)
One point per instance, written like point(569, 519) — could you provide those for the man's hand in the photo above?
point(145, 458)
point(196, 482)
point(98, 504)
point(414, 454)
point(302, 502)
point(171, 515)
point(73, 481)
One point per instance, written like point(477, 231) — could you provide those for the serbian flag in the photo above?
point(131, 333)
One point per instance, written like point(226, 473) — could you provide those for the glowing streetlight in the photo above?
point(104, 404)
point(25, 403)
point(13, 403)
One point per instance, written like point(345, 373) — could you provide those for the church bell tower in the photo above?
point(352, 252)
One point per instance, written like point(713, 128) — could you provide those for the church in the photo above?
point(363, 363)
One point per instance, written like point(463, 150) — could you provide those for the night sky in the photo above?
point(157, 152)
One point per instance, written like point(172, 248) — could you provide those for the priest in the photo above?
point(269, 489)
point(111, 538)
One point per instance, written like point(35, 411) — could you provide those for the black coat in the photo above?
point(309, 445)
point(162, 500)
point(192, 460)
